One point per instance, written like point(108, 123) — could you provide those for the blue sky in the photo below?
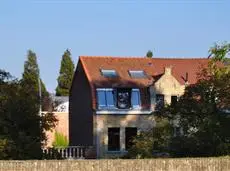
point(107, 27)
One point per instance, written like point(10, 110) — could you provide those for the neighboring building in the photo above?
point(112, 98)
point(60, 105)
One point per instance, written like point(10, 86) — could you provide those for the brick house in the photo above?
point(113, 98)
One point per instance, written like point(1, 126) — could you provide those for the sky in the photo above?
point(172, 28)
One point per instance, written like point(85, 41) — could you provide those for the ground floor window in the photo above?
point(130, 133)
point(113, 139)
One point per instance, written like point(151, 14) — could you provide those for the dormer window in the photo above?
point(119, 98)
point(109, 73)
point(137, 74)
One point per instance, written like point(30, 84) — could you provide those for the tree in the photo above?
point(22, 129)
point(30, 78)
point(155, 140)
point(149, 54)
point(202, 113)
point(66, 75)
point(203, 116)
point(219, 51)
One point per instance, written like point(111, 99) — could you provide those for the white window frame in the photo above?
point(103, 71)
point(137, 71)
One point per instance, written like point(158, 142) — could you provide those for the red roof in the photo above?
point(153, 67)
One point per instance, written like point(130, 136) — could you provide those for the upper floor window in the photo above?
point(105, 98)
point(135, 98)
point(159, 101)
point(137, 73)
point(120, 98)
point(173, 100)
point(109, 73)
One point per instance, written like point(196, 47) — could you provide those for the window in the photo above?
point(105, 98)
point(109, 73)
point(130, 133)
point(120, 98)
point(123, 98)
point(135, 98)
point(173, 100)
point(137, 74)
point(177, 131)
point(159, 101)
point(113, 139)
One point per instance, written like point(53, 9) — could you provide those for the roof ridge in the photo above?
point(143, 57)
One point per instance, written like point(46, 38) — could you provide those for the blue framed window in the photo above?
point(105, 98)
point(135, 98)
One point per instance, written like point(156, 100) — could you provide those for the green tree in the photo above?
point(30, 78)
point(155, 140)
point(202, 113)
point(219, 52)
point(149, 54)
point(22, 129)
point(66, 75)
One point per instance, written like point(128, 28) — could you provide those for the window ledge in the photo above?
point(119, 111)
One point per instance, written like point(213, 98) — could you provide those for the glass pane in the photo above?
point(101, 98)
point(159, 101)
point(113, 139)
point(109, 73)
point(110, 98)
point(130, 133)
point(173, 100)
point(135, 99)
point(123, 98)
point(137, 74)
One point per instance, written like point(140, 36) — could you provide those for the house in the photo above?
point(113, 98)
point(60, 109)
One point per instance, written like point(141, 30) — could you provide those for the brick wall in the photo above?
point(62, 127)
point(186, 164)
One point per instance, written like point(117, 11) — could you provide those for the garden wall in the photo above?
point(185, 164)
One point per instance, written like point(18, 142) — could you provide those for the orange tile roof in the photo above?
point(153, 67)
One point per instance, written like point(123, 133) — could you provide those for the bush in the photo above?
point(60, 141)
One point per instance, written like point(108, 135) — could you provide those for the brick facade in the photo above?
point(62, 127)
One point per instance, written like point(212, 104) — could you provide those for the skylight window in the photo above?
point(109, 73)
point(137, 73)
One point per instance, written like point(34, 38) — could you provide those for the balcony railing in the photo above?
point(71, 152)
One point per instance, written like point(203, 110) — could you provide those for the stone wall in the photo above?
point(103, 122)
point(186, 164)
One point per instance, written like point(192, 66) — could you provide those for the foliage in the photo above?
point(31, 76)
point(203, 115)
point(219, 52)
point(66, 75)
point(60, 140)
point(22, 130)
point(154, 140)
point(149, 54)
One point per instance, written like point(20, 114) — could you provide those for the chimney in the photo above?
point(186, 78)
point(168, 70)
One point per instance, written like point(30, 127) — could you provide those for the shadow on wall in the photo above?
point(62, 127)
